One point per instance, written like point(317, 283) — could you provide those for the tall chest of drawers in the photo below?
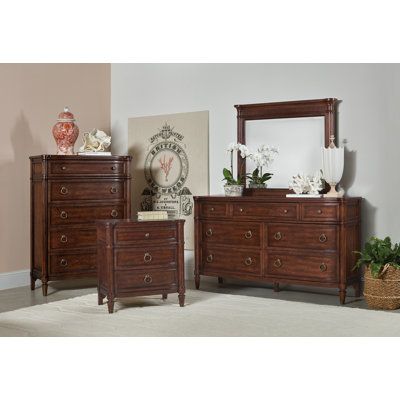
point(279, 240)
point(68, 194)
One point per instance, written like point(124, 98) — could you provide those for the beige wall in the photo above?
point(31, 96)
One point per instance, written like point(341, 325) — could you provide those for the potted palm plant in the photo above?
point(381, 260)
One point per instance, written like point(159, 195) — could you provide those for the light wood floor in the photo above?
point(12, 299)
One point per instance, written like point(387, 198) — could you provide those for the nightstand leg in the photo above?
point(100, 299)
point(276, 287)
point(110, 305)
point(197, 281)
point(164, 296)
point(44, 288)
point(33, 280)
point(342, 295)
point(220, 280)
point(181, 297)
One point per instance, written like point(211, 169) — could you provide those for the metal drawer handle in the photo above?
point(63, 239)
point(278, 236)
point(63, 215)
point(63, 190)
point(212, 209)
point(147, 257)
point(241, 209)
point(285, 211)
point(114, 167)
point(210, 258)
point(209, 232)
point(248, 261)
point(114, 213)
point(323, 267)
point(147, 235)
point(248, 235)
point(278, 263)
point(319, 211)
point(63, 262)
point(63, 168)
point(323, 238)
point(147, 279)
point(113, 190)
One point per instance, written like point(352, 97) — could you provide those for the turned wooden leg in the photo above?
point(342, 295)
point(33, 280)
point(197, 281)
point(110, 305)
point(164, 296)
point(357, 289)
point(44, 288)
point(181, 297)
point(276, 287)
point(220, 280)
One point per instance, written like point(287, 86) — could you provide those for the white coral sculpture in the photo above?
point(306, 184)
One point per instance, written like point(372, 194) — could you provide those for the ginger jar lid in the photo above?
point(66, 116)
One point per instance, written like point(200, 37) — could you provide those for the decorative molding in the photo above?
point(10, 280)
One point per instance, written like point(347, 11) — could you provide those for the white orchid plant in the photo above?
point(307, 184)
point(263, 157)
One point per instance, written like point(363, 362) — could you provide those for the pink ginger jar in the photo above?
point(65, 132)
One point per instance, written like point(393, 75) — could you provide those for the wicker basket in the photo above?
point(382, 292)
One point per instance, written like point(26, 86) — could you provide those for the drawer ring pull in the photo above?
point(209, 232)
point(147, 279)
point(248, 261)
point(63, 262)
point(323, 267)
point(278, 236)
point(63, 239)
point(323, 238)
point(64, 190)
point(241, 209)
point(114, 167)
point(210, 258)
point(147, 235)
point(147, 257)
point(114, 213)
point(63, 215)
point(278, 263)
point(248, 235)
point(113, 190)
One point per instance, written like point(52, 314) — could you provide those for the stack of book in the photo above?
point(151, 215)
point(94, 153)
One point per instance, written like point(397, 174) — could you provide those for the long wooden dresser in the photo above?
point(279, 240)
point(68, 194)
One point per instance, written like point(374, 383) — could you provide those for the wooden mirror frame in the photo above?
point(287, 109)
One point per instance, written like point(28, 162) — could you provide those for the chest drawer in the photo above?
point(88, 190)
point(236, 261)
point(145, 279)
point(76, 214)
point(213, 210)
point(281, 211)
point(70, 263)
point(143, 234)
point(302, 267)
point(145, 257)
point(72, 238)
point(86, 168)
point(230, 233)
point(314, 237)
point(321, 212)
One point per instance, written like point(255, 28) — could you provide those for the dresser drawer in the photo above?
point(83, 213)
point(133, 235)
point(69, 263)
point(320, 212)
point(67, 238)
point(250, 210)
point(88, 190)
point(86, 168)
point(145, 257)
point(313, 237)
point(231, 260)
point(231, 233)
point(213, 210)
point(145, 279)
point(321, 267)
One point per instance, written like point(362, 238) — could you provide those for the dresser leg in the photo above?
point(357, 289)
point(44, 288)
point(181, 297)
point(276, 287)
point(220, 280)
point(33, 280)
point(197, 281)
point(164, 296)
point(110, 305)
point(342, 295)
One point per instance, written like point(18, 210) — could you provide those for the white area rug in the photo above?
point(206, 314)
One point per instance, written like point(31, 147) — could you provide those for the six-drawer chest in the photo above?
point(279, 240)
point(68, 194)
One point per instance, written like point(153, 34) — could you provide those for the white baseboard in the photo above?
point(10, 280)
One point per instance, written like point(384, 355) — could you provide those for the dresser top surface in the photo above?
point(276, 199)
point(79, 157)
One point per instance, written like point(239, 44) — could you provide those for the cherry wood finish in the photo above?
point(68, 193)
point(278, 240)
point(140, 258)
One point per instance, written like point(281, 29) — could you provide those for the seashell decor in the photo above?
point(95, 141)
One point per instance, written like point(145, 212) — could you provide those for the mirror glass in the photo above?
point(299, 141)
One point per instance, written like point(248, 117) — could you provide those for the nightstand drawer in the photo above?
point(321, 267)
point(143, 234)
point(146, 257)
point(67, 238)
point(92, 190)
point(86, 167)
point(145, 279)
point(320, 212)
point(250, 210)
point(238, 234)
point(314, 237)
point(69, 263)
